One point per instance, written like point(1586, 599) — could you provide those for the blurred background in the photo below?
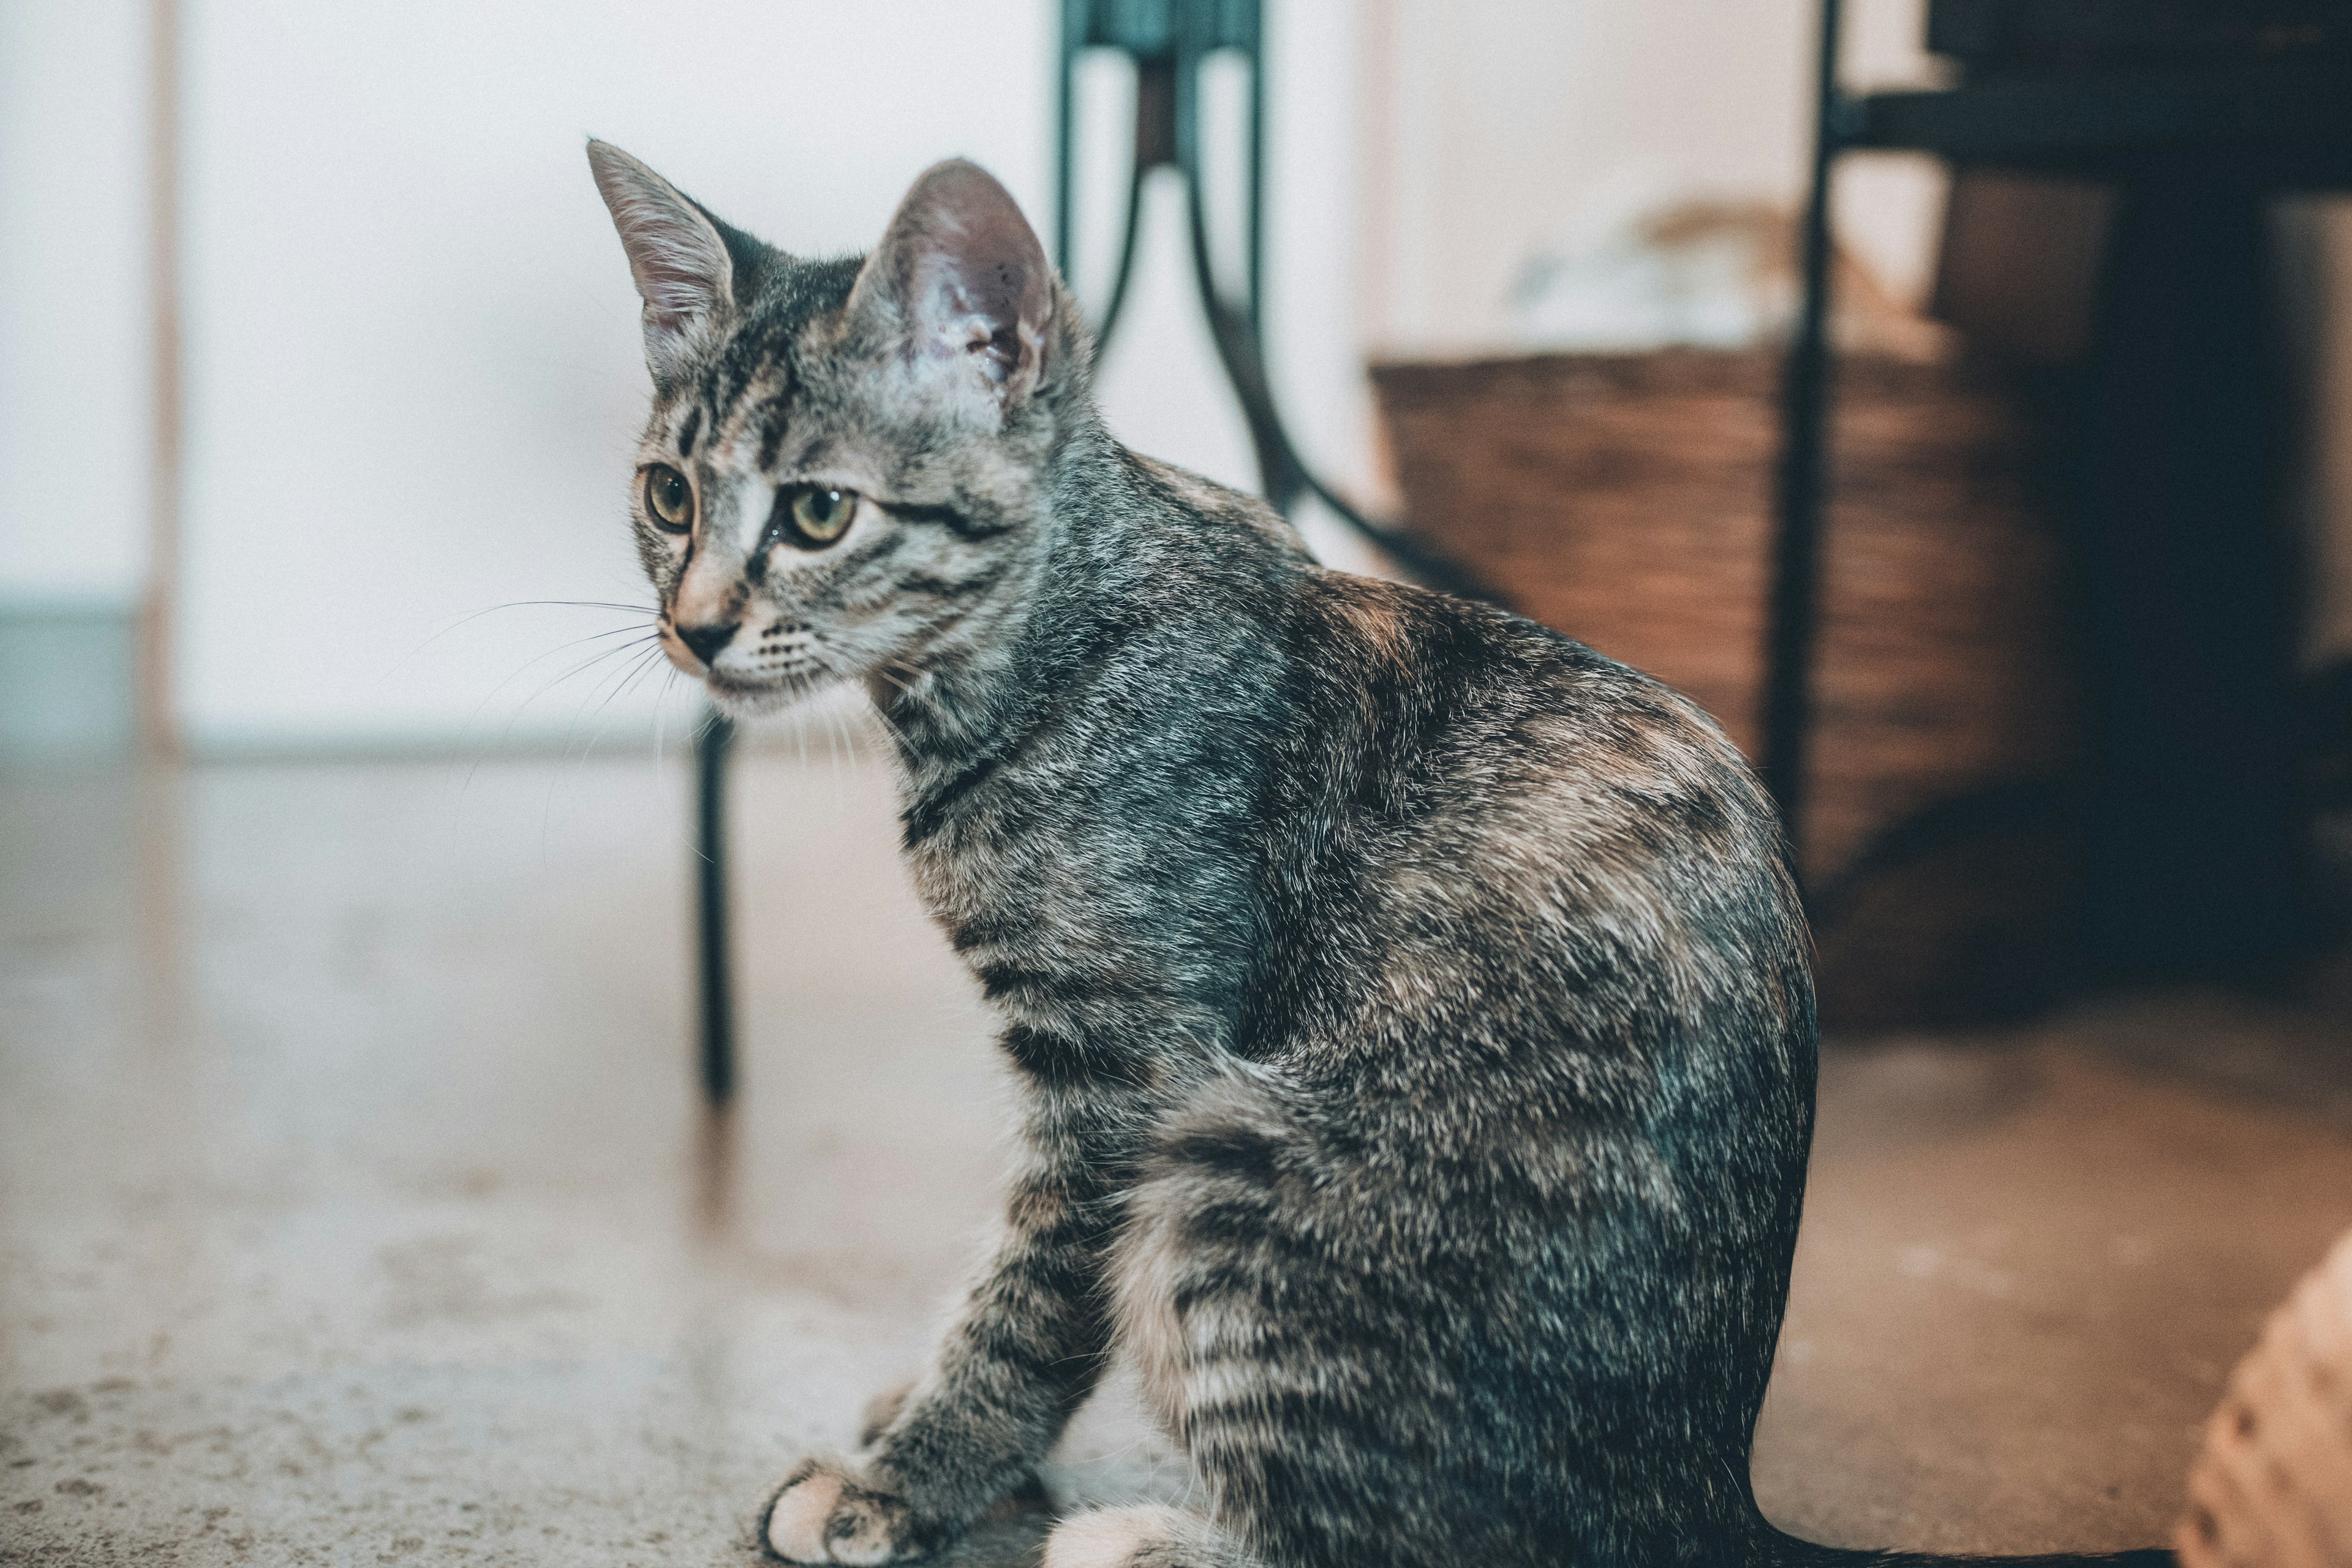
point(347, 1008)
point(406, 373)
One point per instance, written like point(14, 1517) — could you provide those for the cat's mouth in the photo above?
point(781, 673)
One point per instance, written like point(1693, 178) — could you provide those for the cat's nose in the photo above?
point(706, 640)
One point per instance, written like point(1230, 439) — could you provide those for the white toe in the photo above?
point(796, 1523)
point(855, 1552)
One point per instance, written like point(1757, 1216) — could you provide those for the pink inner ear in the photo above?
point(969, 277)
point(962, 320)
point(680, 264)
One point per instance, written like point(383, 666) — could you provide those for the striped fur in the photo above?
point(1412, 1005)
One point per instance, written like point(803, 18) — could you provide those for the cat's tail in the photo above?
point(1770, 1548)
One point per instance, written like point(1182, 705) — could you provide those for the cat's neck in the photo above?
point(984, 688)
point(1114, 548)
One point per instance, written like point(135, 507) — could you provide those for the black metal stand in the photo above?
point(1796, 580)
point(1169, 41)
point(714, 967)
point(2194, 820)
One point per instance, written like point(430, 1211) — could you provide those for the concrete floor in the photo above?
point(355, 1206)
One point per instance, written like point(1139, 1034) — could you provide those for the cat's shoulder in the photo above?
point(1430, 633)
point(1204, 499)
point(1545, 689)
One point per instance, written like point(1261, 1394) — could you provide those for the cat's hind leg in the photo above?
point(1321, 1353)
point(1205, 1276)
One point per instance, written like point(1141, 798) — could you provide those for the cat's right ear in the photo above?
point(681, 266)
point(962, 285)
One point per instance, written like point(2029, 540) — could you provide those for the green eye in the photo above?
point(669, 498)
point(820, 516)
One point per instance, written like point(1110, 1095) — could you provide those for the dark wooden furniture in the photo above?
point(2193, 854)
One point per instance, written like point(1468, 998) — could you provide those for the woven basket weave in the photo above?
point(1625, 498)
point(2273, 1486)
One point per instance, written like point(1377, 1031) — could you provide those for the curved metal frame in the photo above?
point(1169, 42)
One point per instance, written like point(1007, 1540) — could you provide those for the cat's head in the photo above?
point(841, 474)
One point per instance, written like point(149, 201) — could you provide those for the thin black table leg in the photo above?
point(1798, 495)
point(2195, 848)
point(713, 741)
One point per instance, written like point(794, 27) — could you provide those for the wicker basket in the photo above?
point(2272, 1483)
point(1625, 499)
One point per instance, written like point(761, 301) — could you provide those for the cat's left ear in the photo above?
point(961, 283)
point(682, 269)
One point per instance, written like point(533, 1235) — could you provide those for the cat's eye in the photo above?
point(669, 498)
point(818, 517)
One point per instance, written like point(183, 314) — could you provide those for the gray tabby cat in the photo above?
point(1412, 1006)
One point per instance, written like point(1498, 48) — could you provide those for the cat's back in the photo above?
point(1492, 734)
point(1374, 693)
point(1504, 848)
point(1423, 819)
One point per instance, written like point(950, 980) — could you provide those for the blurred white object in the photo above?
point(2272, 1485)
point(1640, 274)
point(1700, 274)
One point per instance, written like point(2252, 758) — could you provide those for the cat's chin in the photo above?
point(758, 700)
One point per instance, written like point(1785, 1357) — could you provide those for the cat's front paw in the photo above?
point(825, 1512)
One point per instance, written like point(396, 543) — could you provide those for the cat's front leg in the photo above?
point(1024, 1350)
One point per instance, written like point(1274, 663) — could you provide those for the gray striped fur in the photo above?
point(1412, 1006)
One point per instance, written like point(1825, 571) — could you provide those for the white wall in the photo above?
point(1494, 127)
point(412, 348)
point(74, 317)
point(415, 371)
point(413, 358)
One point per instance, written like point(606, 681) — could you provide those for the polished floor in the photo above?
point(355, 1205)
